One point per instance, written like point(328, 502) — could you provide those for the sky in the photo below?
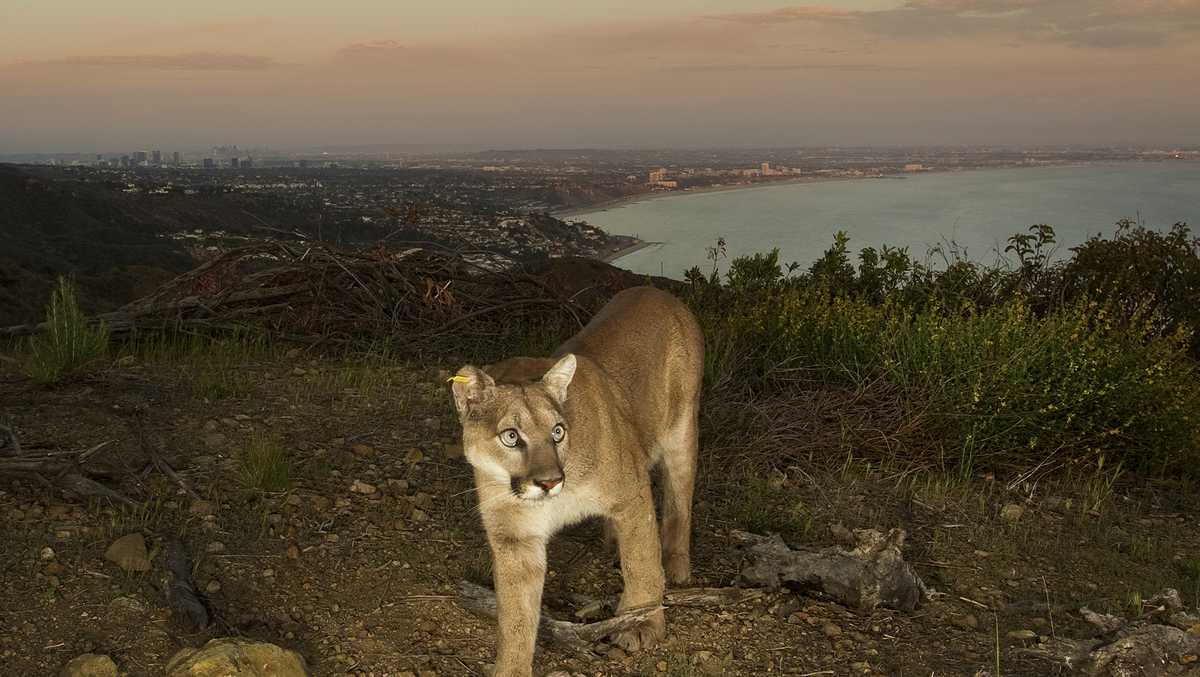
point(127, 74)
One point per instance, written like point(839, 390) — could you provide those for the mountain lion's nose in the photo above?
point(548, 484)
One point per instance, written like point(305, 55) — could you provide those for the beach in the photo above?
point(654, 195)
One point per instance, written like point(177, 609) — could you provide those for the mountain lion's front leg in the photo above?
point(641, 568)
point(519, 572)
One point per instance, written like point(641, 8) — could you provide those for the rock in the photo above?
point(55, 569)
point(419, 515)
point(293, 552)
point(58, 511)
point(321, 503)
point(210, 426)
point(215, 439)
point(132, 604)
point(362, 450)
point(1022, 635)
point(46, 554)
point(213, 587)
point(233, 657)
point(90, 665)
point(1012, 512)
point(831, 630)
point(361, 487)
point(214, 547)
point(299, 371)
point(201, 507)
point(967, 622)
point(453, 450)
point(129, 553)
point(414, 455)
point(1057, 503)
point(398, 486)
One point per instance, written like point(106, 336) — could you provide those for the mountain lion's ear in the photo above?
point(559, 377)
point(471, 386)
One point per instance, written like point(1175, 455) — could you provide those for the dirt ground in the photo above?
point(337, 519)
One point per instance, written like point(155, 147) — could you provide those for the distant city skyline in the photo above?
point(134, 74)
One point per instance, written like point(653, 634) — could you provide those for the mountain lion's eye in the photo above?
point(558, 433)
point(509, 438)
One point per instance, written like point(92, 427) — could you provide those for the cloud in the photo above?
point(1088, 24)
point(786, 15)
point(194, 61)
point(786, 67)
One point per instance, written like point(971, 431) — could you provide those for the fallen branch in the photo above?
point(579, 637)
point(870, 575)
point(63, 469)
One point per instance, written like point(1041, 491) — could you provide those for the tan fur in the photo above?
point(627, 390)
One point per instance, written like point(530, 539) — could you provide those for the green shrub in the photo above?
point(996, 374)
point(69, 345)
point(265, 466)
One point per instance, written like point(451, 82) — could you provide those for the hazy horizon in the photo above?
point(671, 74)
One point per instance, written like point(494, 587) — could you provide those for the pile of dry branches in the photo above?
point(418, 297)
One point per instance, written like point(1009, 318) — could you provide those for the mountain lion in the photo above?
point(559, 439)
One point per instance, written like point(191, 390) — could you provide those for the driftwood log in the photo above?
point(871, 574)
point(187, 608)
point(579, 637)
point(1163, 641)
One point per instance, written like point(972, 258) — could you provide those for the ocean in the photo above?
point(977, 210)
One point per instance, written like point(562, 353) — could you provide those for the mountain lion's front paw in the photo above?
point(644, 635)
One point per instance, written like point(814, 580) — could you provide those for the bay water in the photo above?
point(977, 210)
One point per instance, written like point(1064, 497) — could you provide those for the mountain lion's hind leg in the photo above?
point(679, 479)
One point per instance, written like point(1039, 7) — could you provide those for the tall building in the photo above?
point(210, 163)
point(657, 176)
point(175, 158)
point(140, 157)
point(233, 163)
point(156, 157)
point(247, 163)
point(765, 168)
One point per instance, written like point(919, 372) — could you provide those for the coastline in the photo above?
point(605, 205)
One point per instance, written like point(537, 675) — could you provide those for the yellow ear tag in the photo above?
point(458, 379)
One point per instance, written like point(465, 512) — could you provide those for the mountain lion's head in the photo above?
point(516, 434)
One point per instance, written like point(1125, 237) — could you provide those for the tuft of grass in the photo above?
point(265, 466)
point(70, 345)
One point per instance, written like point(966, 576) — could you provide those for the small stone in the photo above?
point(831, 630)
point(201, 507)
point(58, 511)
point(968, 622)
point(414, 455)
point(210, 426)
point(419, 515)
point(360, 487)
point(397, 486)
point(213, 587)
point(90, 665)
point(1012, 512)
point(55, 569)
point(362, 450)
point(129, 553)
point(215, 440)
point(616, 654)
point(46, 554)
point(1022, 635)
point(661, 666)
point(128, 603)
point(453, 450)
point(298, 371)
point(321, 503)
point(294, 500)
point(214, 547)
point(861, 666)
